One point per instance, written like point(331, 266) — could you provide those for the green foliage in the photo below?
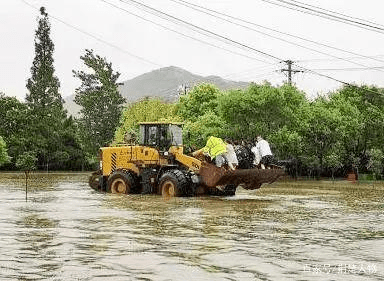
point(376, 161)
point(14, 128)
point(196, 133)
point(4, 158)
point(325, 135)
point(286, 143)
point(322, 130)
point(198, 101)
point(261, 109)
point(27, 161)
point(41, 124)
point(362, 110)
point(46, 113)
point(100, 100)
point(333, 159)
point(147, 110)
point(44, 98)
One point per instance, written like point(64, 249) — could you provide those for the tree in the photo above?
point(332, 160)
point(27, 162)
point(100, 100)
point(376, 162)
point(362, 111)
point(322, 132)
point(197, 132)
point(147, 110)
point(198, 101)
point(286, 144)
point(4, 158)
point(13, 127)
point(46, 112)
point(44, 97)
point(261, 109)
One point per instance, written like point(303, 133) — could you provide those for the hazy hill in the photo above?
point(165, 83)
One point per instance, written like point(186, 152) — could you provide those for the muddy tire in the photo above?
point(94, 180)
point(120, 182)
point(173, 184)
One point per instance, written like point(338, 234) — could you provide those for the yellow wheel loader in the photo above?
point(158, 165)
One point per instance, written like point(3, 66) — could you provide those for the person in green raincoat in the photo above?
point(215, 148)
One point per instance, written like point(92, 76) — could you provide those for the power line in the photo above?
point(203, 30)
point(350, 58)
point(348, 69)
point(337, 13)
point(195, 27)
point(320, 11)
point(204, 10)
point(226, 39)
point(250, 70)
point(310, 11)
point(180, 33)
point(96, 37)
point(337, 80)
point(237, 43)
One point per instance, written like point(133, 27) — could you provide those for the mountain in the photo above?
point(166, 83)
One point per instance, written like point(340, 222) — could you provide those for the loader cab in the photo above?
point(161, 135)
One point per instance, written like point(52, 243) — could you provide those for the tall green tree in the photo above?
point(100, 100)
point(44, 97)
point(47, 116)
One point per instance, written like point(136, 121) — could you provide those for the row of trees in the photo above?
point(337, 133)
point(331, 134)
point(39, 133)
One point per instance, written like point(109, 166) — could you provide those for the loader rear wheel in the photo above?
point(173, 184)
point(120, 182)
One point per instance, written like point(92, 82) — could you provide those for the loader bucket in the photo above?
point(249, 178)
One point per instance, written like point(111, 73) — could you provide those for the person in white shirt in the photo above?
point(263, 153)
point(231, 155)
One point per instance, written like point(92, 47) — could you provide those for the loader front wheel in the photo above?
point(94, 180)
point(173, 184)
point(120, 182)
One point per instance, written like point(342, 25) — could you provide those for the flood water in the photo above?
point(304, 230)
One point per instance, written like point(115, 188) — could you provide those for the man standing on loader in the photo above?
point(263, 153)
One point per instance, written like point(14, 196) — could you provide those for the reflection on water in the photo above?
point(286, 231)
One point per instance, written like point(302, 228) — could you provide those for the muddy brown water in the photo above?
point(304, 230)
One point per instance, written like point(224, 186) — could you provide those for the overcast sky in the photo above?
point(142, 42)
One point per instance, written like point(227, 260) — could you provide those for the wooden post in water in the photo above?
point(27, 162)
point(26, 185)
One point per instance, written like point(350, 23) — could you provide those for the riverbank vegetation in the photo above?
point(331, 135)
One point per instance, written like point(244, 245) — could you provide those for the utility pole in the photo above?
point(183, 89)
point(290, 71)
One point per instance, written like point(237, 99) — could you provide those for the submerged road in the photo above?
point(304, 230)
